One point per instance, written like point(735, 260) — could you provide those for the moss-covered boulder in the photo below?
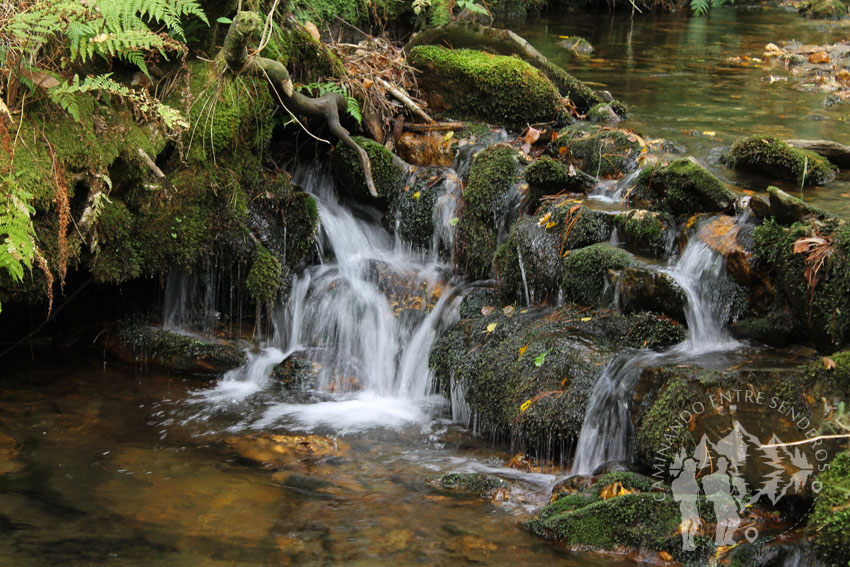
point(774, 158)
point(600, 152)
point(474, 85)
point(585, 270)
point(137, 343)
point(639, 289)
point(619, 511)
point(646, 232)
point(526, 377)
point(825, 10)
point(820, 308)
point(546, 176)
point(788, 209)
point(830, 522)
point(475, 484)
point(296, 373)
point(603, 112)
point(387, 171)
point(681, 188)
point(529, 263)
point(411, 213)
point(487, 208)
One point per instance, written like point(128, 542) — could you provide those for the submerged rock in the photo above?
point(680, 188)
point(274, 451)
point(470, 483)
point(639, 289)
point(135, 342)
point(474, 85)
point(773, 157)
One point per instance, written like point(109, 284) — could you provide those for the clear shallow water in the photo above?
point(673, 73)
point(110, 472)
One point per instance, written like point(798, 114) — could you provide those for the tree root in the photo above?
point(328, 106)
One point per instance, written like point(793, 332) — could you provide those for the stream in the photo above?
point(127, 467)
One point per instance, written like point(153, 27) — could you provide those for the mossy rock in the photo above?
point(788, 209)
point(639, 289)
point(829, 524)
point(537, 251)
point(647, 232)
point(135, 342)
point(603, 112)
point(300, 217)
point(387, 170)
point(577, 44)
point(825, 10)
point(600, 152)
point(116, 258)
point(486, 202)
point(546, 176)
point(681, 188)
point(474, 85)
point(264, 279)
point(585, 269)
point(774, 158)
point(475, 484)
point(822, 314)
point(577, 226)
point(296, 373)
point(411, 214)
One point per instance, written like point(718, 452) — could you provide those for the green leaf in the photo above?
point(223, 20)
point(454, 221)
point(540, 359)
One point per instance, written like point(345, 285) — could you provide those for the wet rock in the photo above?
point(527, 377)
point(571, 485)
point(387, 170)
point(474, 302)
point(477, 484)
point(529, 263)
point(733, 241)
point(428, 148)
point(600, 152)
point(297, 373)
point(773, 553)
point(830, 522)
point(547, 176)
point(773, 330)
point(575, 225)
point(489, 199)
point(788, 209)
point(680, 188)
point(648, 232)
point(478, 86)
point(274, 451)
point(639, 289)
point(603, 112)
point(820, 311)
point(135, 342)
point(775, 158)
point(9, 449)
point(825, 9)
point(577, 44)
point(585, 270)
point(411, 213)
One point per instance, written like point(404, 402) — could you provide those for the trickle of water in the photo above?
point(178, 300)
point(605, 430)
point(524, 279)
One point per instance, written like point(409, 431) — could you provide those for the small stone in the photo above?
point(819, 57)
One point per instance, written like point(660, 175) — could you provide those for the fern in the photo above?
point(701, 7)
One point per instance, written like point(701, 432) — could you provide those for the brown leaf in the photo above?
point(531, 135)
point(40, 79)
point(819, 57)
point(806, 243)
point(828, 363)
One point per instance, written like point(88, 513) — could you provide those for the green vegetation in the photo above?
point(263, 282)
point(646, 231)
point(830, 522)
point(681, 188)
point(387, 172)
point(600, 152)
point(773, 157)
point(584, 271)
point(474, 85)
point(547, 176)
point(469, 483)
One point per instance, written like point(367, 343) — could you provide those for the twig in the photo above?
point(400, 95)
point(151, 163)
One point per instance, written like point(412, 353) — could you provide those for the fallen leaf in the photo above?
point(828, 363)
point(491, 327)
point(487, 310)
point(709, 133)
point(415, 195)
point(524, 405)
point(549, 225)
point(544, 219)
point(508, 310)
point(540, 359)
point(454, 221)
point(562, 151)
point(819, 57)
point(448, 136)
point(39, 78)
point(586, 319)
point(368, 83)
point(522, 349)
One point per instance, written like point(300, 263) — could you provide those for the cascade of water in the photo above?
point(178, 300)
point(605, 430)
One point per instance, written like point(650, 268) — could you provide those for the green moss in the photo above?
point(547, 176)
point(655, 432)
point(367, 14)
point(387, 173)
point(493, 88)
point(469, 483)
point(825, 10)
point(486, 197)
point(264, 278)
point(681, 188)
point(645, 231)
point(301, 219)
point(538, 250)
point(413, 210)
point(296, 374)
point(773, 157)
point(584, 271)
point(582, 96)
point(115, 257)
point(602, 112)
point(599, 152)
point(307, 60)
point(180, 353)
point(830, 522)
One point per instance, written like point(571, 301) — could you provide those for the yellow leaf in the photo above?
point(828, 363)
point(544, 219)
point(448, 136)
point(415, 195)
point(563, 37)
point(525, 405)
point(522, 349)
point(492, 327)
point(586, 319)
point(549, 225)
point(709, 133)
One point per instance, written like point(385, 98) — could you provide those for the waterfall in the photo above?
point(605, 431)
